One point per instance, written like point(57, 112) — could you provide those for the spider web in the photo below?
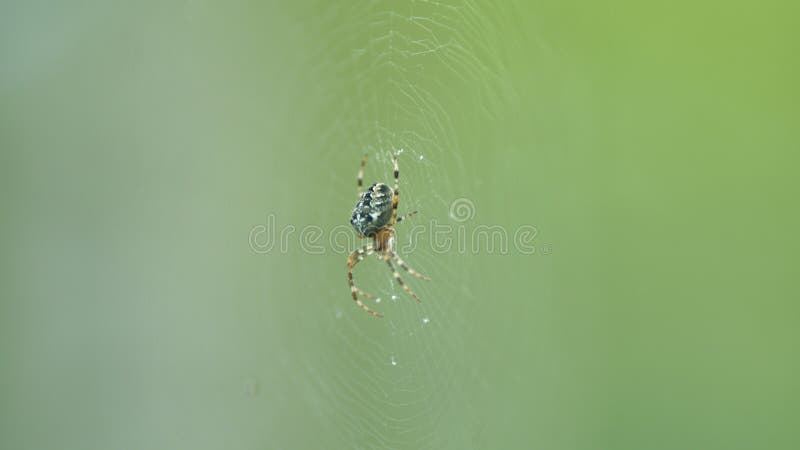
point(398, 382)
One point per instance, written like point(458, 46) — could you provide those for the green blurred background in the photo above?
point(144, 145)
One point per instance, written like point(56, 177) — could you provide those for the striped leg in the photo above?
point(400, 280)
point(396, 196)
point(352, 260)
point(362, 253)
point(359, 181)
point(405, 267)
point(365, 294)
point(406, 216)
point(355, 258)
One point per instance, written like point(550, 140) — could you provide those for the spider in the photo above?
point(374, 217)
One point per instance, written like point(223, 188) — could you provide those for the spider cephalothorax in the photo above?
point(374, 217)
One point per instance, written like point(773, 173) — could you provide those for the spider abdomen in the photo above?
point(373, 210)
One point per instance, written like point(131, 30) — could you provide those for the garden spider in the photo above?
point(374, 217)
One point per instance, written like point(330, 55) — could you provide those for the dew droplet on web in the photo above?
point(425, 320)
point(394, 363)
point(394, 297)
point(421, 157)
point(378, 300)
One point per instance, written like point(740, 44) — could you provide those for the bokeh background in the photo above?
point(147, 150)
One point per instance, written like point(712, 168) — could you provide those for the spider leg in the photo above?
point(359, 181)
point(366, 294)
point(352, 260)
point(399, 280)
point(361, 254)
point(405, 267)
point(406, 216)
point(396, 196)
